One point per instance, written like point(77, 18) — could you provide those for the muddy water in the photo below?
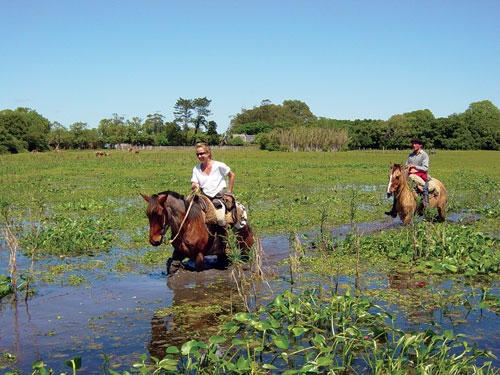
point(126, 316)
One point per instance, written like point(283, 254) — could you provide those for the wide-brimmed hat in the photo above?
point(417, 140)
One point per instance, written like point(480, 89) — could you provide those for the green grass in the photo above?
point(282, 191)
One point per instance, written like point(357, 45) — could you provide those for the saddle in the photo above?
point(419, 183)
point(236, 215)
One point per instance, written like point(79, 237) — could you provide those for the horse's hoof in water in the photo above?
point(173, 266)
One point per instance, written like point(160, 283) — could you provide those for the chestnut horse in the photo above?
point(406, 197)
point(190, 236)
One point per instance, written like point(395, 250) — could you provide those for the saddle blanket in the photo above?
point(236, 214)
point(433, 188)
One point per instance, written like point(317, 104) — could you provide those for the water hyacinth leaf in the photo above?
point(262, 326)
point(217, 339)
point(279, 301)
point(238, 342)
point(451, 267)
point(470, 272)
point(192, 347)
point(487, 264)
point(243, 364)
point(242, 317)
point(173, 350)
point(319, 340)
point(38, 365)
point(275, 323)
point(75, 363)
point(324, 361)
point(352, 331)
point(168, 364)
point(280, 341)
point(297, 331)
point(448, 334)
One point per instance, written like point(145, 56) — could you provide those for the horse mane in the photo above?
point(172, 193)
point(195, 211)
point(400, 167)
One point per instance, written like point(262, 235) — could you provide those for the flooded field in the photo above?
point(123, 316)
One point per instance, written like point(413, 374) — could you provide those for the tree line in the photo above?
point(289, 126)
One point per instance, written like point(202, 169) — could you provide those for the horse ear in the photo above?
point(146, 198)
point(391, 165)
point(162, 198)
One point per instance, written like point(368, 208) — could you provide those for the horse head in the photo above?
point(396, 178)
point(157, 215)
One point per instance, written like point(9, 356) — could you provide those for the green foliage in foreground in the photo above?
point(432, 248)
point(313, 333)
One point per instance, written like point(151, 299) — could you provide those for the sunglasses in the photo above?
point(200, 153)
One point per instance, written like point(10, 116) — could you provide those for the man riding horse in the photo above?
point(417, 164)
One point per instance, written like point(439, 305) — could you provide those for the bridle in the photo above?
point(391, 178)
point(165, 222)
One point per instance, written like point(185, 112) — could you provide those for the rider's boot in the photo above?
point(392, 212)
point(426, 194)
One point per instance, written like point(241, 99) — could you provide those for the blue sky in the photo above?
point(85, 60)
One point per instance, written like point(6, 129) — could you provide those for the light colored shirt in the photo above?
point(420, 160)
point(214, 182)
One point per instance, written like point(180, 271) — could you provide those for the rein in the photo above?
point(183, 220)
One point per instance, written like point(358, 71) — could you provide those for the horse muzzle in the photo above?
point(156, 242)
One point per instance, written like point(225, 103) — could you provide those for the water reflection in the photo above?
point(201, 301)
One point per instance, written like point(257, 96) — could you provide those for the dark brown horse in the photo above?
point(191, 237)
point(406, 197)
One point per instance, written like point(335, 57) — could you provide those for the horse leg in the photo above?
point(245, 241)
point(222, 261)
point(407, 219)
point(441, 213)
point(200, 262)
point(174, 264)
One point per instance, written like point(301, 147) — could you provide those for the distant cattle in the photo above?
point(101, 153)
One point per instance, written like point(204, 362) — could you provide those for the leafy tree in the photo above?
point(200, 106)
point(154, 124)
point(183, 112)
point(299, 110)
point(172, 135)
point(251, 128)
point(397, 132)
point(365, 134)
point(27, 129)
point(269, 116)
point(114, 130)
point(77, 129)
point(483, 120)
point(213, 136)
point(9, 143)
point(59, 137)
